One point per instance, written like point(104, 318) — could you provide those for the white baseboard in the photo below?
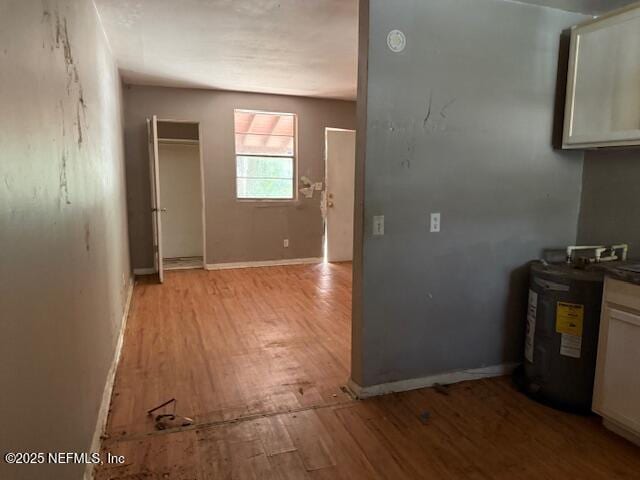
point(144, 271)
point(621, 430)
point(265, 263)
point(423, 382)
point(103, 413)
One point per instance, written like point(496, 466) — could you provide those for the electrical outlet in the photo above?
point(378, 225)
point(285, 243)
point(435, 223)
point(318, 185)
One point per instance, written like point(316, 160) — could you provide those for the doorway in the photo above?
point(340, 161)
point(178, 195)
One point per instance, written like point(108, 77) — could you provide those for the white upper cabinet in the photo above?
point(603, 85)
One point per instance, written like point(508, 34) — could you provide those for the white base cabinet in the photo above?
point(616, 394)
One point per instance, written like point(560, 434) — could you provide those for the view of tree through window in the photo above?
point(265, 155)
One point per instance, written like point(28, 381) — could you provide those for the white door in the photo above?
point(181, 200)
point(340, 154)
point(156, 210)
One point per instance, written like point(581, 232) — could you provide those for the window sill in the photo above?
point(267, 202)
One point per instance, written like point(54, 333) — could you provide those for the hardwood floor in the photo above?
point(232, 343)
point(258, 357)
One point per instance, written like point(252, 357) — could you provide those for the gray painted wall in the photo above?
point(610, 210)
point(459, 123)
point(64, 255)
point(237, 231)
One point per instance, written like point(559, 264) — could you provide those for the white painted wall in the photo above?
point(180, 194)
point(64, 252)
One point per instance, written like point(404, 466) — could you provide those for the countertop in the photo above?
point(629, 272)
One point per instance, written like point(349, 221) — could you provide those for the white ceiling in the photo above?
point(294, 47)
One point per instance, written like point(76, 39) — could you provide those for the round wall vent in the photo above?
point(396, 41)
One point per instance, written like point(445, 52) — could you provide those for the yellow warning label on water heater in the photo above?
point(569, 318)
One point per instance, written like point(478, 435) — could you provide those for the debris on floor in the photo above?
point(165, 421)
point(301, 390)
point(424, 417)
point(348, 392)
point(442, 389)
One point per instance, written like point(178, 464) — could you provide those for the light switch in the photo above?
point(435, 223)
point(378, 225)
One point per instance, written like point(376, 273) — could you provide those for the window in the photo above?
point(265, 155)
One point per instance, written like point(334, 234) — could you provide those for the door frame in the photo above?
point(154, 185)
point(325, 238)
point(202, 183)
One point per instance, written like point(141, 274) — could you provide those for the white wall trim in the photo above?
point(265, 263)
point(103, 413)
point(144, 271)
point(621, 430)
point(423, 382)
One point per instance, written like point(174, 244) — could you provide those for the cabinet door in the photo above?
point(603, 89)
point(617, 393)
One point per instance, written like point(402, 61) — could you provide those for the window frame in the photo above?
point(294, 182)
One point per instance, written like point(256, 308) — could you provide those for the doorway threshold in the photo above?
point(183, 263)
